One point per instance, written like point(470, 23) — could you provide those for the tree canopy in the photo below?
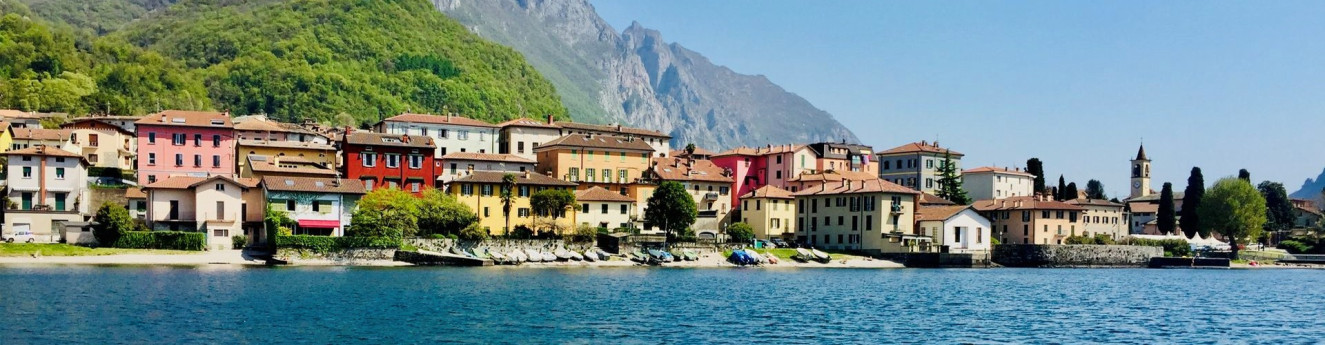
point(1095, 190)
point(552, 203)
point(950, 183)
point(440, 213)
point(1167, 221)
point(1279, 209)
point(1035, 167)
point(1234, 209)
point(740, 232)
point(672, 209)
point(386, 212)
point(1191, 201)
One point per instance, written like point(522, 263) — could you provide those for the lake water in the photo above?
point(105, 305)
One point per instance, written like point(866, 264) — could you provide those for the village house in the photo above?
point(452, 133)
point(520, 136)
point(708, 184)
point(36, 136)
point(1028, 220)
point(772, 165)
point(48, 187)
point(481, 191)
point(260, 128)
point(605, 209)
point(320, 156)
point(770, 212)
point(1102, 217)
point(872, 216)
point(104, 145)
point(659, 143)
point(988, 183)
point(456, 163)
point(927, 199)
point(611, 162)
point(390, 160)
point(137, 202)
point(811, 180)
point(257, 166)
point(916, 165)
point(25, 119)
point(955, 229)
point(844, 157)
point(319, 206)
point(218, 206)
point(185, 143)
point(6, 136)
point(122, 121)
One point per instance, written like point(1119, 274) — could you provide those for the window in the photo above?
point(929, 183)
point(621, 174)
point(979, 235)
point(151, 178)
point(462, 135)
point(779, 175)
point(607, 175)
point(486, 190)
point(623, 157)
point(27, 172)
point(779, 159)
point(929, 164)
point(1044, 214)
point(216, 161)
point(524, 191)
point(415, 162)
point(604, 211)
point(519, 147)
point(589, 175)
point(369, 159)
point(1025, 230)
point(869, 222)
point(1058, 215)
point(574, 173)
point(197, 140)
point(623, 208)
point(841, 220)
point(220, 210)
point(584, 208)
point(177, 139)
point(392, 160)
point(855, 223)
point(216, 140)
point(220, 187)
point(368, 184)
point(197, 160)
point(414, 187)
point(757, 205)
point(92, 158)
point(151, 138)
point(522, 213)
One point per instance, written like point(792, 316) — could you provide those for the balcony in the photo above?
point(896, 208)
point(711, 196)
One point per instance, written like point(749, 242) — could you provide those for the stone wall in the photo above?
point(356, 256)
point(1039, 255)
point(445, 245)
point(100, 195)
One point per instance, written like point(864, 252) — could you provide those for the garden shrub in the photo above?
point(177, 240)
point(327, 244)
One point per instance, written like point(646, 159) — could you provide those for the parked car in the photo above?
point(765, 244)
point(21, 236)
point(780, 243)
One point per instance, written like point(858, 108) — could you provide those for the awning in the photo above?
point(317, 223)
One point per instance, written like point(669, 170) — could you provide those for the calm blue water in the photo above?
point(103, 305)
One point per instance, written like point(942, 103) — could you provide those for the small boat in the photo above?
point(739, 257)
point(562, 254)
point(481, 253)
point(497, 257)
point(575, 256)
point(520, 256)
point(690, 255)
point(803, 255)
point(660, 256)
point(639, 256)
point(758, 259)
point(515, 256)
point(590, 256)
point(602, 255)
point(533, 255)
point(549, 257)
point(821, 256)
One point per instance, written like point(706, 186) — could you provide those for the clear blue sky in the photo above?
point(1220, 85)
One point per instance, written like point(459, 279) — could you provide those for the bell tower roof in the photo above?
point(1141, 154)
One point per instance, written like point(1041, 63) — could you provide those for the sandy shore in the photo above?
point(712, 260)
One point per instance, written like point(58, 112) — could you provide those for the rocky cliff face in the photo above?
point(637, 78)
point(1312, 189)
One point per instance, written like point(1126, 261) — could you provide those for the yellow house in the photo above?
point(771, 212)
point(300, 151)
point(7, 137)
point(871, 216)
point(481, 190)
point(105, 145)
point(591, 160)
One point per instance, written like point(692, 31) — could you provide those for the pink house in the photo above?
point(774, 165)
point(185, 143)
point(747, 167)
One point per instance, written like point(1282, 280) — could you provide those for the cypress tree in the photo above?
point(1071, 192)
point(1095, 190)
point(1167, 219)
point(1062, 187)
point(1035, 167)
point(1191, 200)
point(1244, 175)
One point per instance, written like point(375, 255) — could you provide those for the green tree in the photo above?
point(1191, 201)
point(740, 232)
point(440, 213)
point(950, 184)
point(1095, 190)
point(1279, 209)
point(1244, 175)
point(1071, 192)
point(386, 212)
point(690, 149)
point(1234, 209)
point(507, 198)
point(671, 208)
point(552, 203)
point(1060, 193)
point(1035, 167)
point(473, 232)
point(1167, 218)
point(111, 221)
point(277, 222)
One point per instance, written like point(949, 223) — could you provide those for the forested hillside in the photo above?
point(292, 60)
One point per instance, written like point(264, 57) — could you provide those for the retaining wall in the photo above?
point(1074, 255)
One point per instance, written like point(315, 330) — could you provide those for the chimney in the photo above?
point(526, 174)
point(924, 143)
point(336, 182)
point(550, 120)
point(618, 127)
point(448, 116)
point(936, 143)
point(1002, 203)
point(847, 183)
point(404, 138)
point(1018, 203)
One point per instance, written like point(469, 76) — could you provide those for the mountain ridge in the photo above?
point(1312, 189)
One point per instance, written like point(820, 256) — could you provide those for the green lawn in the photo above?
point(57, 249)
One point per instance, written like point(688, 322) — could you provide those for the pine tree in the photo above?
point(1071, 192)
point(1035, 167)
point(950, 185)
point(1167, 219)
point(1062, 187)
point(1191, 200)
point(1095, 190)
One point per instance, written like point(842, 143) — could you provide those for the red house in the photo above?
point(390, 160)
point(748, 167)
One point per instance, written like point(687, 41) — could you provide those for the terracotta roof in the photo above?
point(520, 178)
point(294, 165)
point(857, 187)
point(42, 150)
point(528, 122)
point(835, 176)
point(1154, 197)
point(383, 139)
point(600, 194)
point(918, 147)
point(14, 113)
point(488, 157)
point(698, 152)
point(186, 182)
point(41, 134)
point(286, 144)
point(255, 124)
point(187, 118)
point(1093, 202)
point(925, 213)
point(931, 199)
point(93, 121)
point(598, 141)
point(685, 169)
point(611, 129)
point(769, 192)
point(1308, 210)
point(313, 184)
point(438, 119)
point(1007, 171)
point(1143, 207)
point(134, 193)
point(1025, 202)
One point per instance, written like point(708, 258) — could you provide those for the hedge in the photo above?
point(326, 244)
point(177, 240)
point(1172, 247)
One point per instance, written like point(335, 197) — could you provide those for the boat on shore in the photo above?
point(803, 255)
point(590, 256)
point(820, 255)
point(575, 256)
point(740, 257)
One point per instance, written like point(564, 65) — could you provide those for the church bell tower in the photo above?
point(1140, 174)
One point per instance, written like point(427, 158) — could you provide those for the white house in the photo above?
point(959, 229)
point(1102, 217)
point(602, 208)
point(319, 206)
point(47, 185)
point(520, 136)
point(218, 206)
point(989, 183)
point(453, 133)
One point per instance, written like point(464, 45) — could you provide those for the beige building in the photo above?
point(610, 162)
point(1027, 220)
point(812, 180)
point(36, 136)
point(916, 165)
point(1102, 217)
point(520, 136)
point(708, 184)
point(455, 164)
point(872, 216)
point(218, 206)
point(321, 154)
point(48, 187)
point(988, 183)
point(955, 229)
point(260, 128)
point(605, 209)
point(104, 145)
point(658, 142)
point(770, 211)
